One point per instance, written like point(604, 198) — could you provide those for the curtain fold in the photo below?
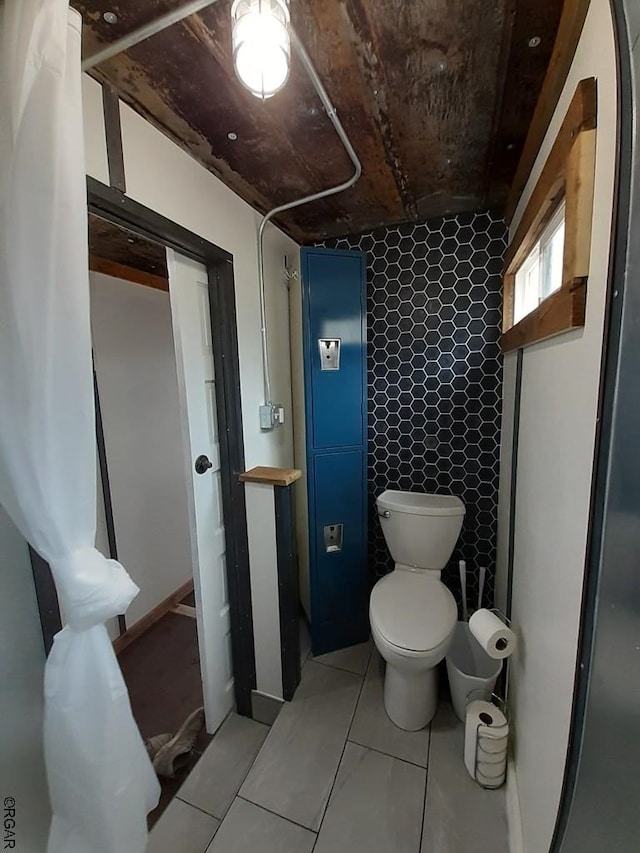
point(100, 779)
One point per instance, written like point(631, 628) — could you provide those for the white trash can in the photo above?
point(469, 668)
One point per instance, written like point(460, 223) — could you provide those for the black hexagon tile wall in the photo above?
point(434, 295)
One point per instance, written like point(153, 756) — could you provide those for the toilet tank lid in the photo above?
point(419, 503)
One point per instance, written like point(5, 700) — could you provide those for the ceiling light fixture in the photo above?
point(535, 41)
point(232, 136)
point(110, 17)
point(261, 45)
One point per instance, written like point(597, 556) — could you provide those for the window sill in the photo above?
point(561, 312)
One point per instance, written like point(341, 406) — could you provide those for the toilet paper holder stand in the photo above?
point(500, 703)
point(501, 615)
point(504, 618)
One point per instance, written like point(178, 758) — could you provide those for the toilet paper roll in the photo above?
point(491, 771)
point(484, 721)
point(496, 638)
point(491, 782)
point(492, 757)
point(493, 743)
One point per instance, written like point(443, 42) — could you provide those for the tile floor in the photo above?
point(334, 775)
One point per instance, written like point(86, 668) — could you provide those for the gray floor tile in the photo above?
point(250, 829)
point(182, 829)
point(295, 770)
point(376, 805)
point(371, 726)
point(460, 816)
point(353, 659)
point(214, 781)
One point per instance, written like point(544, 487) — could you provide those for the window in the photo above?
point(541, 273)
point(547, 262)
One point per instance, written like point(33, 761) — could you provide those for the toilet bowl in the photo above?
point(412, 613)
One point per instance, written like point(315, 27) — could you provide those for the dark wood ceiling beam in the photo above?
point(143, 84)
point(137, 90)
point(113, 244)
point(574, 13)
point(506, 46)
point(328, 36)
point(439, 61)
point(297, 112)
point(435, 111)
point(272, 126)
point(378, 93)
point(525, 71)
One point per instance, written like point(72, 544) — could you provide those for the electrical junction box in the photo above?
point(271, 415)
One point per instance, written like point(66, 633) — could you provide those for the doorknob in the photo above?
point(203, 464)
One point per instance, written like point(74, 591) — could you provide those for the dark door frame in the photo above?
point(110, 204)
point(288, 590)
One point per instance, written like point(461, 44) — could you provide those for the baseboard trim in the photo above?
point(153, 616)
point(514, 815)
point(265, 708)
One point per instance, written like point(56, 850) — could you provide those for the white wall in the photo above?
point(22, 774)
point(163, 177)
point(556, 443)
point(300, 495)
point(95, 145)
point(264, 589)
point(504, 492)
point(166, 179)
point(137, 382)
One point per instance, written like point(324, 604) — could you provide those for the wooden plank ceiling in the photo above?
point(436, 96)
point(110, 243)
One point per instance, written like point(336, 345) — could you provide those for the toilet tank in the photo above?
point(421, 530)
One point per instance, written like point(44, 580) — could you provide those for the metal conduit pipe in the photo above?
point(146, 31)
point(345, 185)
point(173, 17)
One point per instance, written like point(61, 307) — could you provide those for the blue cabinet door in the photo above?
point(341, 584)
point(336, 312)
point(334, 309)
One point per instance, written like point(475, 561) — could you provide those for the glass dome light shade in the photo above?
point(261, 45)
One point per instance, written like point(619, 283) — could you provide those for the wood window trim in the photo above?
point(568, 175)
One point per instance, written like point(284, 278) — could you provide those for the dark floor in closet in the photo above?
point(162, 671)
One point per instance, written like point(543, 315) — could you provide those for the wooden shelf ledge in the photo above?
point(271, 476)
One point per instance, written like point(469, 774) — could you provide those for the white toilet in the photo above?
point(412, 613)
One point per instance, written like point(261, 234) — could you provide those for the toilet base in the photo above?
point(410, 700)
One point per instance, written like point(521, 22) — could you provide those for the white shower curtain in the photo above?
point(100, 779)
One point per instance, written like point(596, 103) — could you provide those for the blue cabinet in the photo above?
point(334, 329)
point(336, 301)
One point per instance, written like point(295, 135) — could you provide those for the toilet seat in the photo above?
point(412, 611)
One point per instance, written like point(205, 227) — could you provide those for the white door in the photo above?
point(189, 292)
